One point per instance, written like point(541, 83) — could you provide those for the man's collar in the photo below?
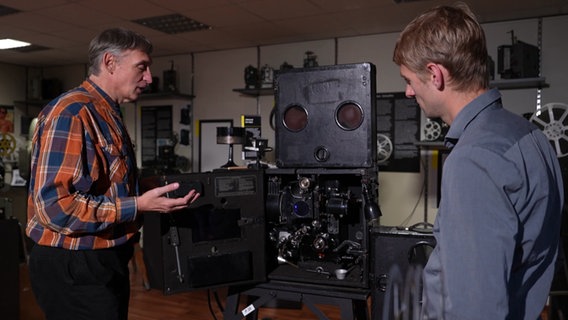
point(468, 113)
point(95, 90)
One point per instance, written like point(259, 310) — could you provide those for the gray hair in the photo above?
point(115, 41)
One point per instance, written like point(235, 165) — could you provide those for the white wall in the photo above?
point(216, 74)
point(13, 88)
point(12, 80)
point(70, 76)
point(555, 64)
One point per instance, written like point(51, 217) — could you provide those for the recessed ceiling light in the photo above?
point(172, 24)
point(11, 43)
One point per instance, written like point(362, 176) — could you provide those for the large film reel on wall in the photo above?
point(434, 129)
point(552, 120)
point(384, 148)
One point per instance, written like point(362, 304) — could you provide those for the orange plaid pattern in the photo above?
point(83, 181)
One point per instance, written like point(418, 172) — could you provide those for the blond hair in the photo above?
point(450, 36)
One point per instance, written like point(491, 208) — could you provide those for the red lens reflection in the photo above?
point(295, 118)
point(349, 116)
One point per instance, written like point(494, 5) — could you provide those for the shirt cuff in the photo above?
point(127, 209)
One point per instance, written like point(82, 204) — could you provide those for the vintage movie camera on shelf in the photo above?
point(518, 59)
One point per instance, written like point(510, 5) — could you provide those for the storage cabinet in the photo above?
point(161, 127)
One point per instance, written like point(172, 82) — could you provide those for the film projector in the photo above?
point(303, 231)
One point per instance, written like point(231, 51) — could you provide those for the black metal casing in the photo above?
point(328, 234)
point(219, 241)
point(304, 222)
point(333, 120)
point(394, 252)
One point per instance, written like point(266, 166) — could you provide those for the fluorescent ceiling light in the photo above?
point(11, 43)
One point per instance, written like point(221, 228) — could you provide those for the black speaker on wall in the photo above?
point(325, 117)
point(394, 252)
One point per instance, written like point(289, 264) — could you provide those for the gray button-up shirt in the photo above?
point(498, 225)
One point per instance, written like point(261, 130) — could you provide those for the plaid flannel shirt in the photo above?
point(83, 179)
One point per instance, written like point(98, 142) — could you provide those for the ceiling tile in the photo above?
point(127, 9)
point(226, 15)
point(273, 9)
point(78, 15)
point(67, 26)
point(34, 5)
point(34, 22)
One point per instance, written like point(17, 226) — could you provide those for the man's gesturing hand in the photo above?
point(154, 200)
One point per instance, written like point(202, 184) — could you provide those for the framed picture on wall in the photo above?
point(6, 119)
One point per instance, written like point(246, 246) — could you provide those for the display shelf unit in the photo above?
point(145, 96)
point(165, 95)
point(521, 83)
point(434, 145)
point(156, 120)
point(33, 103)
point(255, 92)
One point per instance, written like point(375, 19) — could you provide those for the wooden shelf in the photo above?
point(144, 96)
point(165, 95)
point(521, 83)
point(34, 102)
point(436, 145)
point(255, 92)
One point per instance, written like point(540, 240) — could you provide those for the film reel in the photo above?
point(7, 144)
point(551, 119)
point(432, 130)
point(384, 148)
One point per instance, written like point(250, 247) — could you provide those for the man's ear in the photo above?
point(437, 75)
point(109, 62)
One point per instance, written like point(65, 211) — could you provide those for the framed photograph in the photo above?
point(6, 119)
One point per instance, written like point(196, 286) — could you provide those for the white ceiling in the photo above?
point(67, 26)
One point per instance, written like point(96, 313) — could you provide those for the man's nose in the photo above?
point(148, 76)
point(409, 92)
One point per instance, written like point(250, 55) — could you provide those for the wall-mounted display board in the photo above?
point(398, 131)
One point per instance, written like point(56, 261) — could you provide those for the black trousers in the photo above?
point(83, 284)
